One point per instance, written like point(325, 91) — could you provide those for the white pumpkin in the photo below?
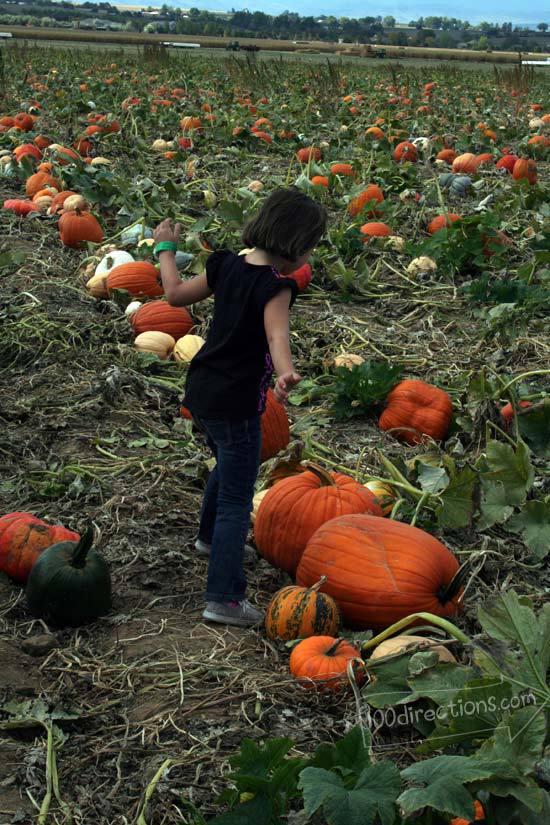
point(160, 145)
point(536, 123)
point(159, 343)
point(112, 259)
point(187, 347)
point(422, 264)
point(100, 162)
point(43, 203)
point(132, 307)
point(255, 186)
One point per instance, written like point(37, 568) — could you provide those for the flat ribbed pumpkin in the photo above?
point(295, 507)
point(413, 409)
point(275, 427)
point(298, 612)
point(159, 316)
point(380, 571)
point(139, 278)
point(77, 227)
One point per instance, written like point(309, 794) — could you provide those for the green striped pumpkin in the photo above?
point(297, 612)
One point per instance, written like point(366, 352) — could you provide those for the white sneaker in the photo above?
point(241, 614)
point(203, 549)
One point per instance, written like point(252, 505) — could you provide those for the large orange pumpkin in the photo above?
point(139, 278)
point(76, 227)
point(159, 316)
point(298, 612)
point(322, 662)
point(466, 163)
point(442, 222)
point(22, 540)
point(380, 571)
point(295, 507)
point(525, 170)
point(405, 151)
point(371, 193)
point(275, 427)
point(414, 408)
point(38, 181)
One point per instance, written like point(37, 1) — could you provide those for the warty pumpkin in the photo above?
point(298, 612)
point(20, 207)
point(77, 227)
point(159, 316)
point(140, 278)
point(275, 427)
point(414, 408)
point(322, 662)
point(295, 507)
point(23, 537)
point(379, 570)
point(70, 583)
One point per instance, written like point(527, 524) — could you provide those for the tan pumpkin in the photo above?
point(187, 347)
point(256, 501)
point(75, 202)
point(403, 644)
point(298, 612)
point(348, 360)
point(159, 343)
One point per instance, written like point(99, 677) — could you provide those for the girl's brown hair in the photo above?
point(288, 224)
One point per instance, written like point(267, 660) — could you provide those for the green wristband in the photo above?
point(166, 246)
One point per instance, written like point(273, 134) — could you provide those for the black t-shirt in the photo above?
point(230, 375)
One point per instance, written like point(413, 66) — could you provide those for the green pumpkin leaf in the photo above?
point(352, 753)
point(231, 211)
point(511, 467)
point(371, 799)
point(494, 509)
point(534, 427)
point(518, 738)
point(533, 523)
point(432, 479)
point(457, 503)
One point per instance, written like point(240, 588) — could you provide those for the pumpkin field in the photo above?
point(402, 514)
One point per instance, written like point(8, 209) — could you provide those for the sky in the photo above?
point(494, 11)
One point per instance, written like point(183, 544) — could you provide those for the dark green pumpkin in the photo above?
point(69, 584)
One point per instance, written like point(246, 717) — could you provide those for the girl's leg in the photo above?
point(238, 446)
point(209, 502)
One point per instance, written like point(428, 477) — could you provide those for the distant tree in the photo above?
point(388, 22)
point(398, 39)
point(482, 44)
point(445, 40)
point(542, 27)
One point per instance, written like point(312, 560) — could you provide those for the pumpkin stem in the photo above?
point(78, 558)
point(446, 594)
point(332, 650)
point(323, 475)
point(315, 587)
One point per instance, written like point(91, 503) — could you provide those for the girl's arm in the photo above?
point(278, 339)
point(181, 293)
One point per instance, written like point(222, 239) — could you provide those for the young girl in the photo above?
point(228, 379)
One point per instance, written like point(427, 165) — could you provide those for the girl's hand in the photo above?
point(165, 232)
point(285, 384)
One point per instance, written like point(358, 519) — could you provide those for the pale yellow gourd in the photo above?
point(159, 343)
point(400, 644)
point(97, 286)
point(256, 501)
point(187, 347)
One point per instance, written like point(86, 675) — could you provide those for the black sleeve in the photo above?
point(214, 265)
point(270, 285)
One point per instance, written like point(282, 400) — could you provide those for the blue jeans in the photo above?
point(227, 502)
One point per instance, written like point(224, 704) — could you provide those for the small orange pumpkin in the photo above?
point(310, 152)
point(22, 540)
point(405, 151)
point(39, 181)
point(159, 316)
point(322, 662)
point(298, 612)
point(139, 278)
point(442, 222)
point(465, 163)
point(275, 427)
point(375, 229)
point(479, 816)
point(414, 408)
